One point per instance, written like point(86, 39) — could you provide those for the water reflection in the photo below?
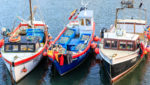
point(4, 75)
point(34, 77)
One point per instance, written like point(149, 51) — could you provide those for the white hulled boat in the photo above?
point(23, 48)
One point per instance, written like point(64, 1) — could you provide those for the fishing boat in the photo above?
point(124, 45)
point(71, 47)
point(23, 48)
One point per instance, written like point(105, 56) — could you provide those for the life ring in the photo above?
point(15, 38)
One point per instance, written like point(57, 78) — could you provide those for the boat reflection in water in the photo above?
point(76, 77)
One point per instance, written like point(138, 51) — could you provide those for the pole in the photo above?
point(31, 18)
point(11, 75)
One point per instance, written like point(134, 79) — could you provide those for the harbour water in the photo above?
point(55, 13)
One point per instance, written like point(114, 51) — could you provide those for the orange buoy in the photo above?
point(24, 70)
point(1, 43)
point(93, 45)
point(97, 50)
point(50, 37)
point(145, 52)
point(44, 53)
point(96, 38)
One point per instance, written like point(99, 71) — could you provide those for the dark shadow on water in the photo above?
point(75, 77)
point(4, 74)
point(104, 78)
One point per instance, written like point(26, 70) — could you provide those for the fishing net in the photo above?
point(80, 47)
point(63, 40)
point(85, 37)
point(69, 33)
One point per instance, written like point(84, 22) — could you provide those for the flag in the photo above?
point(76, 16)
point(72, 14)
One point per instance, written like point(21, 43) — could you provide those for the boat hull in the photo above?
point(62, 70)
point(117, 71)
point(18, 73)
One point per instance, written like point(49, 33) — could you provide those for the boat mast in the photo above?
point(31, 17)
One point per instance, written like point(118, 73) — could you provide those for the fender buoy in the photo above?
point(148, 35)
point(96, 39)
point(50, 37)
point(145, 52)
point(0, 55)
point(24, 70)
point(142, 49)
point(97, 50)
point(93, 45)
point(44, 53)
point(1, 43)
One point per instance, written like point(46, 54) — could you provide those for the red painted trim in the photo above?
point(60, 34)
point(7, 61)
point(34, 56)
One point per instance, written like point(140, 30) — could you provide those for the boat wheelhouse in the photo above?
point(72, 45)
point(120, 53)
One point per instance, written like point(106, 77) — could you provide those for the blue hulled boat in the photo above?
point(72, 45)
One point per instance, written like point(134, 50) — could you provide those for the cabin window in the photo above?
point(8, 47)
point(30, 47)
point(23, 47)
point(107, 44)
point(82, 22)
point(88, 22)
point(122, 45)
point(15, 47)
point(114, 44)
point(130, 45)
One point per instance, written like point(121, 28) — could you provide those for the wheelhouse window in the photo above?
point(88, 22)
point(23, 47)
point(15, 48)
point(122, 45)
point(82, 22)
point(8, 48)
point(107, 44)
point(114, 44)
point(30, 47)
point(130, 45)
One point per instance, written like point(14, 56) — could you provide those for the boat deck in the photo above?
point(115, 56)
